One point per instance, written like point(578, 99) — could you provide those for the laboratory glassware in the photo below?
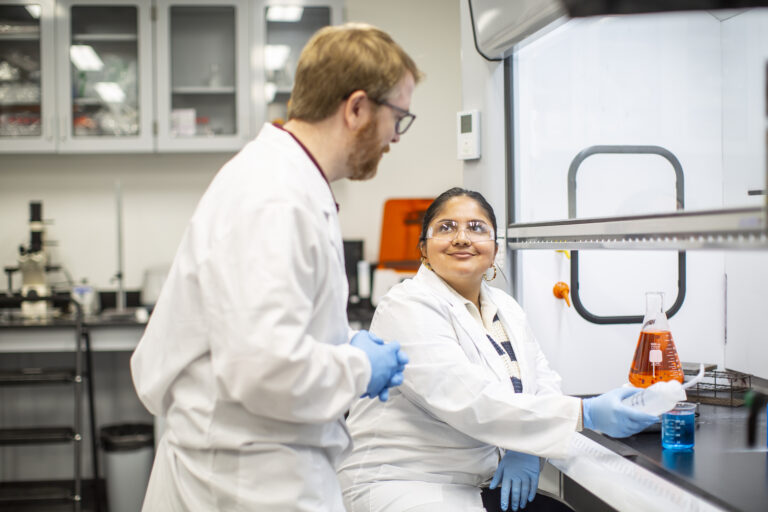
point(677, 427)
point(656, 358)
point(662, 396)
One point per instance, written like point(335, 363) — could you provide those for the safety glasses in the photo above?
point(448, 230)
point(405, 119)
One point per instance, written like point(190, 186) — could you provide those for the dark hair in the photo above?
point(438, 203)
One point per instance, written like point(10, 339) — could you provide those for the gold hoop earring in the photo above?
point(485, 275)
point(426, 263)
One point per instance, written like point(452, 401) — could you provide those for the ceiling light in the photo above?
point(284, 13)
point(85, 58)
point(275, 56)
point(109, 92)
point(270, 90)
point(34, 10)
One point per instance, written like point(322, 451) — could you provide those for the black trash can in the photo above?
point(128, 454)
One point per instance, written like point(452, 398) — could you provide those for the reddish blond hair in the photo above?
point(340, 60)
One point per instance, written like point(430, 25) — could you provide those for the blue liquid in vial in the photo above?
point(677, 431)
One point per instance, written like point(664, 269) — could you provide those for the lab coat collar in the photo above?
point(313, 159)
point(473, 328)
point(313, 180)
point(489, 308)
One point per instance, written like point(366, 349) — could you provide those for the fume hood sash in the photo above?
point(500, 25)
point(740, 228)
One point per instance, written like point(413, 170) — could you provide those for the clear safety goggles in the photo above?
point(474, 230)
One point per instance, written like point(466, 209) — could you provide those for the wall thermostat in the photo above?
point(468, 134)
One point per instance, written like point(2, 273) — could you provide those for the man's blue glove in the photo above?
point(518, 473)
point(387, 363)
point(606, 413)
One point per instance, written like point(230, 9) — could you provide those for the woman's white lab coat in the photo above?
point(246, 354)
point(440, 432)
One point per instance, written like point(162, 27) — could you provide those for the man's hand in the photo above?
point(387, 363)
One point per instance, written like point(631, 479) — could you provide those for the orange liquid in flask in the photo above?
point(655, 360)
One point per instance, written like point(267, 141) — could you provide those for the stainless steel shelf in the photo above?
point(104, 38)
point(88, 101)
point(36, 435)
point(203, 90)
point(29, 376)
point(23, 494)
point(742, 228)
point(19, 36)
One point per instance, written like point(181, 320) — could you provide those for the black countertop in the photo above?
point(15, 321)
point(720, 469)
point(360, 315)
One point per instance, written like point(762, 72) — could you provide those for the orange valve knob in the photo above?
point(561, 291)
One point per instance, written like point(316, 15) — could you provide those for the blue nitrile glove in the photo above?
point(606, 413)
point(519, 473)
point(387, 363)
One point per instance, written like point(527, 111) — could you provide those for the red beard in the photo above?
point(366, 154)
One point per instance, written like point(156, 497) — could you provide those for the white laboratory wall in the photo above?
point(423, 163)
point(160, 191)
point(78, 194)
point(628, 80)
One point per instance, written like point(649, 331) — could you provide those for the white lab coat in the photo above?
point(246, 354)
point(437, 439)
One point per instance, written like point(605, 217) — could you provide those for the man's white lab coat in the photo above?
point(246, 354)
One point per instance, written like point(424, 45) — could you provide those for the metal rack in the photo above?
point(720, 387)
point(15, 494)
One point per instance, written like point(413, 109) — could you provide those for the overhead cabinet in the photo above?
point(104, 79)
point(77, 76)
point(96, 76)
point(202, 75)
point(27, 111)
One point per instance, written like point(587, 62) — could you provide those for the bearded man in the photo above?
point(248, 356)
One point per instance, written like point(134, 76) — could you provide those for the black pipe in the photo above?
point(756, 402)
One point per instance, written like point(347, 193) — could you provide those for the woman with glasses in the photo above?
point(479, 404)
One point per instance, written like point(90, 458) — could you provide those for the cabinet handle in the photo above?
point(50, 127)
point(62, 129)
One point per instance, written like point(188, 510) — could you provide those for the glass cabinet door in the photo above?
point(203, 74)
point(289, 27)
point(282, 29)
point(26, 76)
point(106, 49)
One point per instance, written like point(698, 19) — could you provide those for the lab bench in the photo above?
point(23, 336)
point(636, 474)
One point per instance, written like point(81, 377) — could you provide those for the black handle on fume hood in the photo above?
point(756, 402)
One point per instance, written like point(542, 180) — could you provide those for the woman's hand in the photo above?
point(518, 473)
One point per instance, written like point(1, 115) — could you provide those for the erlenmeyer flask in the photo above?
point(656, 357)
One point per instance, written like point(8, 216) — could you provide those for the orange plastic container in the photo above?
point(400, 231)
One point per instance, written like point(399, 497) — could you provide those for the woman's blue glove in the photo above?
point(606, 413)
point(387, 363)
point(518, 472)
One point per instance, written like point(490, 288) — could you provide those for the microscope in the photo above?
point(33, 265)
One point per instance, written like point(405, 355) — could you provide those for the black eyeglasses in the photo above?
point(404, 121)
